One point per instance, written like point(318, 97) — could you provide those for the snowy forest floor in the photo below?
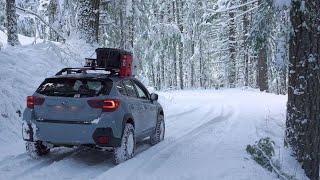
point(207, 131)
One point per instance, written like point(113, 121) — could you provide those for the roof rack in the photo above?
point(84, 70)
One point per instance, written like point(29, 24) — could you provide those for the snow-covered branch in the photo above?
point(232, 8)
point(42, 20)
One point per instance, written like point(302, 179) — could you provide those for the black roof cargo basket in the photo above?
point(115, 62)
point(84, 70)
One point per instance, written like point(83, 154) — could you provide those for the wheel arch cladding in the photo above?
point(161, 112)
point(128, 119)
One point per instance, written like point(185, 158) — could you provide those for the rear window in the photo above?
point(67, 87)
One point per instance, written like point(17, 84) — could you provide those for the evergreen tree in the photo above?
point(261, 37)
point(303, 117)
point(88, 20)
point(179, 43)
point(2, 14)
point(11, 23)
point(54, 18)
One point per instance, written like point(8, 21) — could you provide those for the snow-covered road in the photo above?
point(206, 136)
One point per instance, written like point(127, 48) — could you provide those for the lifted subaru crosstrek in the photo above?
point(89, 107)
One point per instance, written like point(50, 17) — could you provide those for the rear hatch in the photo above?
point(66, 99)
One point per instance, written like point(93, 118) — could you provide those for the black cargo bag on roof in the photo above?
point(109, 57)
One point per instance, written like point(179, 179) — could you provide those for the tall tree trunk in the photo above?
point(53, 19)
point(158, 76)
point(232, 49)
point(96, 23)
point(122, 24)
point(12, 27)
point(192, 64)
point(201, 64)
point(162, 69)
point(262, 79)
point(245, 22)
point(88, 20)
point(303, 117)
point(153, 76)
point(175, 54)
point(180, 65)
point(262, 44)
point(179, 8)
point(175, 82)
point(132, 24)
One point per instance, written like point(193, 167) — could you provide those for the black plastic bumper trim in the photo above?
point(64, 122)
point(112, 141)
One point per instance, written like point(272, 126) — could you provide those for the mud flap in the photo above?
point(27, 132)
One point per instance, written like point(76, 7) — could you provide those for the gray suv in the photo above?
point(91, 107)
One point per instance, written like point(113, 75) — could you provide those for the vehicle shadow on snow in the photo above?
point(94, 157)
point(82, 156)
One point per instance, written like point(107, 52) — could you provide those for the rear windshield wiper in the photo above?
point(57, 93)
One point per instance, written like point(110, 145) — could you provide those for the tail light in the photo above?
point(34, 100)
point(103, 140)
point(107, 105)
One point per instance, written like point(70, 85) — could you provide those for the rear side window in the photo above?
point(142, 93)
point(67, 87)
point(130, 88)
point(121, 88)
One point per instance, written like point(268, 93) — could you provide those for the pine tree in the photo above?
point(12, 29)
point(232, 46)
point(261, 37)
point(179, 14)
point(2, 14)
point(53, 13)
point(88, 20)
point(245, 21)
point(303, 117)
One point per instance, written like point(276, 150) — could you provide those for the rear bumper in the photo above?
point(106, 132)
point(70, 134)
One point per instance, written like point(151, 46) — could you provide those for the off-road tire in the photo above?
point(128, 144)
point(36, 149)
point(159, 132)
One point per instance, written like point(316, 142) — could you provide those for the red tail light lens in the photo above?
point(106, 105)
point(34, 100)
point(30, 102)
point(102, 140)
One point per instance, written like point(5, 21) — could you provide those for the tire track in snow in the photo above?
point(43, 164)
point(166, 153)
point(8, 159)
point(85, 163)
point(26, 165)
point(154, 157)
point(183, 113)
point(195, 120)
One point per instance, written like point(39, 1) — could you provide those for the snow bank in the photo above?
point(24, 40)
point(23, 68)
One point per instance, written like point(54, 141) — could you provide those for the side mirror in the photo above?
point(154, 97)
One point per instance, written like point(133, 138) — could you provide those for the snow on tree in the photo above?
point(88, 20)
point(177, 44)
point(303, 117)
point(54, 18)
point(12, 29)
point(2, 14)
